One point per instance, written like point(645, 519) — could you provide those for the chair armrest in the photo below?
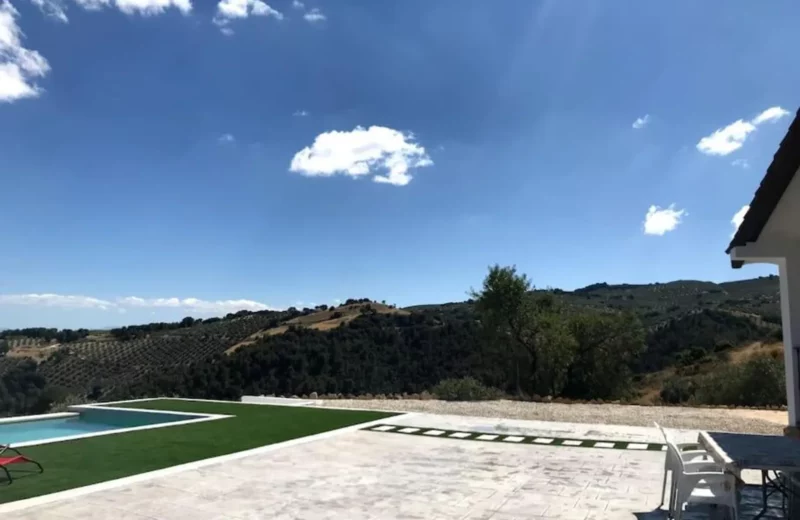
point(695, 454)
point(701, 466)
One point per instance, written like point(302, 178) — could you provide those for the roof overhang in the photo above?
point(779, 175)
point(757, 253)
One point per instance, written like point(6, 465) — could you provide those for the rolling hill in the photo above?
point(686, 322)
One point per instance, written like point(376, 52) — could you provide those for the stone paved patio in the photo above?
point(369, 475)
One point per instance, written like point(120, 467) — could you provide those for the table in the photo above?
point(738, 451)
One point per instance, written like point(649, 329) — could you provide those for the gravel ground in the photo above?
point(671, 417)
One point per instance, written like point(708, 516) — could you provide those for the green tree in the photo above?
point(608, 346)
point(556, 350)
point(508, 317)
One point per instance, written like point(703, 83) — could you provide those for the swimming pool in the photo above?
point(89, 421)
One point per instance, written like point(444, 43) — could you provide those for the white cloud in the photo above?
point(55, 300)
point(19, 66)
point(314, 16)
point(659, 221)
point(228, 10)
point(300, 113)
point(226, 138)
point(730, 138)
point(151, 7)
point(741, 163)
point(738, 218)
point(57, 10)
point(52, 8)
point(361, 152)
point(297, 4)
point(641, 122)
point(93, 5)
point(121, 305)
point(726, 140)
point(194, 304)
point(771, 115)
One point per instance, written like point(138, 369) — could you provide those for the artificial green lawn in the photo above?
point(89, 461)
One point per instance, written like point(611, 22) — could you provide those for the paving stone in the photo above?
point(384, 428)
point(363, 474)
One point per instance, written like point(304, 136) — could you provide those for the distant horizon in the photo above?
point(179, 316)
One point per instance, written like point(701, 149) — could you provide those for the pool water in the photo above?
point(88, 421)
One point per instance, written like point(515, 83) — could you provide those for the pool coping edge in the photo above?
point(197, 418)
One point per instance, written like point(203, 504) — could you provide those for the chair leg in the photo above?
point(678, 515)
point(674, 499)
point(8, 475)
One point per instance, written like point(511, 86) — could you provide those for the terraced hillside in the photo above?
point(99, 366)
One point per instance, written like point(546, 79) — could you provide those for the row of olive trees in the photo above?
point(554, 350)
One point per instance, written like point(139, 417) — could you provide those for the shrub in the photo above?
point(677, 390)
point(723, 346)
point(464, 389)
point(759, 382)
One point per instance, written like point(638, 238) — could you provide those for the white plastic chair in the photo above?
point(686, 452)
point(701, 483)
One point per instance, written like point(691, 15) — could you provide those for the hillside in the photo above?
point(660, 302)
point(368, 347)
point(324, 319)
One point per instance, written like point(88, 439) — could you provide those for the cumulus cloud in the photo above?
point(726, 140)
point(730, 138)
point(738, 218)
point(19, 67)
point(297, 4)
point(659, 221)
point(314, 16)
point(770, 115)
point(226, 138)
point(741, 163)
point(362, 152)
point(300, 113)
point(55, 300)
point(228, 10)
point(152, 7)
point(641, 122)
point(194, 305)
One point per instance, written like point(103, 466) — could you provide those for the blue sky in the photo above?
point(163, 158)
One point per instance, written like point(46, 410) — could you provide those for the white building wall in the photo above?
point(790, 311)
